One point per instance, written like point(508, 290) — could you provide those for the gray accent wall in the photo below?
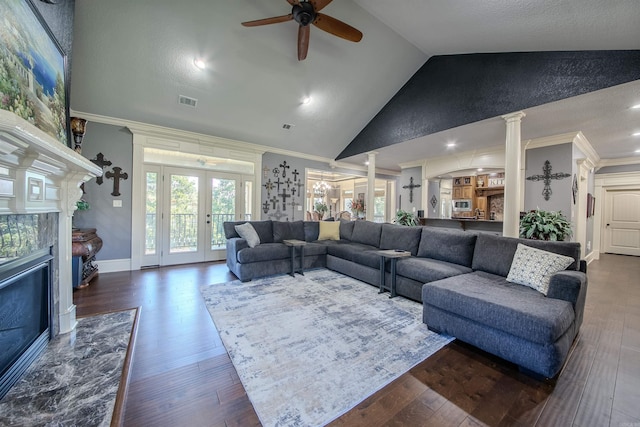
point(113, 224)
point(433, 190)
point(561, 159)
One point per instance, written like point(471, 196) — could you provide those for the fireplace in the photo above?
point(39, 188)
point(25, 314)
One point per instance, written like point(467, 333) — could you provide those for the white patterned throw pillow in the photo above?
point(534, 267)
point(247, 232)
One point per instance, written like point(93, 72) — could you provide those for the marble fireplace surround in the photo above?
point(38, 174)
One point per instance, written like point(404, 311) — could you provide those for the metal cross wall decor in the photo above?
point(101, 161)
point(411, 186)
point(546, 177)
point(116, 175)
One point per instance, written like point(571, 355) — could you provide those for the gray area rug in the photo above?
point(308, 349)
point(74, 382)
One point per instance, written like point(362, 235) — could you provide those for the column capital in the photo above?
point(371, 154)
point(517, 116)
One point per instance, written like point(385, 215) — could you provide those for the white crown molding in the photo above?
point(488, 158)
point(619, 162)
point(577, 138)
point(225, 143)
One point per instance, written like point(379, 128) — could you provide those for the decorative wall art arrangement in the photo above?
point(284, 190)
point(115, 174)
point(546, 177)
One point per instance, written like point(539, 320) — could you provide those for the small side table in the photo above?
point(85, 244)
point(293, 244)
point(392, 255)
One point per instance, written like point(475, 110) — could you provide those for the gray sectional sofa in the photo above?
point(460, 277)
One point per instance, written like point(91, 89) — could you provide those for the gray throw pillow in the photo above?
point(247, 232)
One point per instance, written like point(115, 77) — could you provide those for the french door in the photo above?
point(185, 210)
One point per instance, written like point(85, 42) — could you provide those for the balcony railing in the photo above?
point(184, 231)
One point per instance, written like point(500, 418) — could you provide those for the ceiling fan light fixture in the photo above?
point(199, 63)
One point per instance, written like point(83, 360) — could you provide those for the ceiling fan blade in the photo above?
point(303, 41)
point(267, 21)
point(293, 2)
point(318, 5)
point(337, 28)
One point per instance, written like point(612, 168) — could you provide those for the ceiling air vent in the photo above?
point(287, 126)
point(185, 100)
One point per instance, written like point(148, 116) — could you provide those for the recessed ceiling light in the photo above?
point(636, 134)
point(638, 150)
point(451, 145)
point(367, 163)
point(306, 100)
point(636, 107)
point(480, 169)
point(199, 63)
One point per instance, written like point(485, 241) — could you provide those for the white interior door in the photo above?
point(622, 222)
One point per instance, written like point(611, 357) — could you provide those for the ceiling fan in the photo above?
point(307, 12)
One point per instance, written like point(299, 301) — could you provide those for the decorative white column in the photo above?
point(513, 160)
point(371, 184)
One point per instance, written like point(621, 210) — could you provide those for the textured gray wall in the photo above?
point(561, 158)
point(113, 224)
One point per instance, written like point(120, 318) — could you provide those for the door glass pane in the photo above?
point(248, 197)
point(150, 241)
point(183, 227)
point(223, 208)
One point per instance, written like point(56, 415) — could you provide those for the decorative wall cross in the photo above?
point(269, 186)
point(102, 162)
point(284, 167)
point(276, 172)
point(411, 186)
point(293, 205)
point(116, 175)
point(277, 214)
point(265, 207)
point(295, 174)
point(265, 171)
point(288, 182)
point(284, 197)
point(546, 177)
point(273, 201)
point(279, 183)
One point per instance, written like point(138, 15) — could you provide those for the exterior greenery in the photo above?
point(406, 218)
point(545, 225)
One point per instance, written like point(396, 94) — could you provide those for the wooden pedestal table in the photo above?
point(85, 244)
point(293, 244)
point(392, 255)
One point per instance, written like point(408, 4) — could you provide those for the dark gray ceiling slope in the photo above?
point(454, 90)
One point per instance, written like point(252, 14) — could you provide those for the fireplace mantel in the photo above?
point(38, 174)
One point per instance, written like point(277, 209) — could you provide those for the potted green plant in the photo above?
point(545, 225)
point(321, 208)
point(406, 218)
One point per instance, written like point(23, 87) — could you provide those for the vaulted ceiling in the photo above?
point(132, 60)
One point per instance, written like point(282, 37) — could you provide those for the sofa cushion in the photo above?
point(427, 270)
point(367, 233)
point(494, 254)
point(534, 267)
point(346, 229)
point(311, 230)
point(490, 300)
point(263, 228)
point(263, 252)
point(449, 245)
point(349, 251)
point(285, 230)
point(248, 233)
point(395, 236)
point(329, 230)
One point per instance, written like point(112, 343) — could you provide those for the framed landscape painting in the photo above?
point(32, 70)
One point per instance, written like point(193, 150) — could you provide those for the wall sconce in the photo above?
point(78, 128)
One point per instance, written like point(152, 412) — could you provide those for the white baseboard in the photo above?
point(114, 265)
point(594, 255)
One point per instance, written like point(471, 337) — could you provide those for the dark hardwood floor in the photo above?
point(182, 376)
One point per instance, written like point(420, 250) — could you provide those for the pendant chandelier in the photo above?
point(321, 188)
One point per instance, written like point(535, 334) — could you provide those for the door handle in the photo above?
point(607, 225)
